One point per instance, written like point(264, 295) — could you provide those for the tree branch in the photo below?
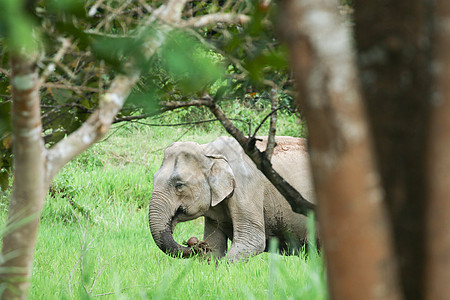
point(93, 9)
point(131, 118)
point(94, 128)
point(75, 88)
point(5, 71)
point(211, 19)
point(265, 119)
point(273, 122)
point(189, 123)
point(66, 43)
point(171, 105)
point(171, 12)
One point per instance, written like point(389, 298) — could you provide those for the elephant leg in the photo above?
point(215, 238)
point(246, 245)
point(248, 232)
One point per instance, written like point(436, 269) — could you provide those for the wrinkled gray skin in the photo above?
point(218, 181)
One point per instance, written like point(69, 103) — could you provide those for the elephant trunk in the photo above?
point(160, 217)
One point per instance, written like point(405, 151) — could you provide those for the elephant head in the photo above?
point(188, 183)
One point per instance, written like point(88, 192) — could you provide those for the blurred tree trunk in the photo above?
point(393, 40)
point(437, 242)
point(29, 181)
point(404, 65)
point(353, 222)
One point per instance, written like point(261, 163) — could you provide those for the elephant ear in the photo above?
point(221, 179)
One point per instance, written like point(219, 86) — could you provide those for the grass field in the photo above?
point(94, 239)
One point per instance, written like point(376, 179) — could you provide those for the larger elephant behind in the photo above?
point(219, 181)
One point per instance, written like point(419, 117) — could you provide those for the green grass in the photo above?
point(94, 237)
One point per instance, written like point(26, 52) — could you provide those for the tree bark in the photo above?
point(29, 186)
point(353, 225)
point(273, 122)
point(437, 230)
point(394, 49)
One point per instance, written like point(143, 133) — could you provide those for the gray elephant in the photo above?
point(219, 181)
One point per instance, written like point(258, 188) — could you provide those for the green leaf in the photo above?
point(147, 100)
point(72, 7)
point(5, 124)
point(220, 93)
point(4, 181)
point(55, 137)
point(62, 96)
point(16, 25)
point(189, 63)
point(114, 50)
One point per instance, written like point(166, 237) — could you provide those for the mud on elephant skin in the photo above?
point(219, 181)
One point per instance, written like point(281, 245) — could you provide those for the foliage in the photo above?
point(85, 43)
point(187, 62)
point(244, 118)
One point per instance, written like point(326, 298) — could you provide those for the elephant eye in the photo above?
point(179, 186)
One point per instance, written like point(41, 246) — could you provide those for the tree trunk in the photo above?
point(393, 46)
point(437, 241)
point(353, 225)
point(29, 180)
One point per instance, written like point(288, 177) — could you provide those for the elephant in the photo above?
point(220, 182)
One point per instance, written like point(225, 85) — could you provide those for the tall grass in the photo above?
point(94, 238)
